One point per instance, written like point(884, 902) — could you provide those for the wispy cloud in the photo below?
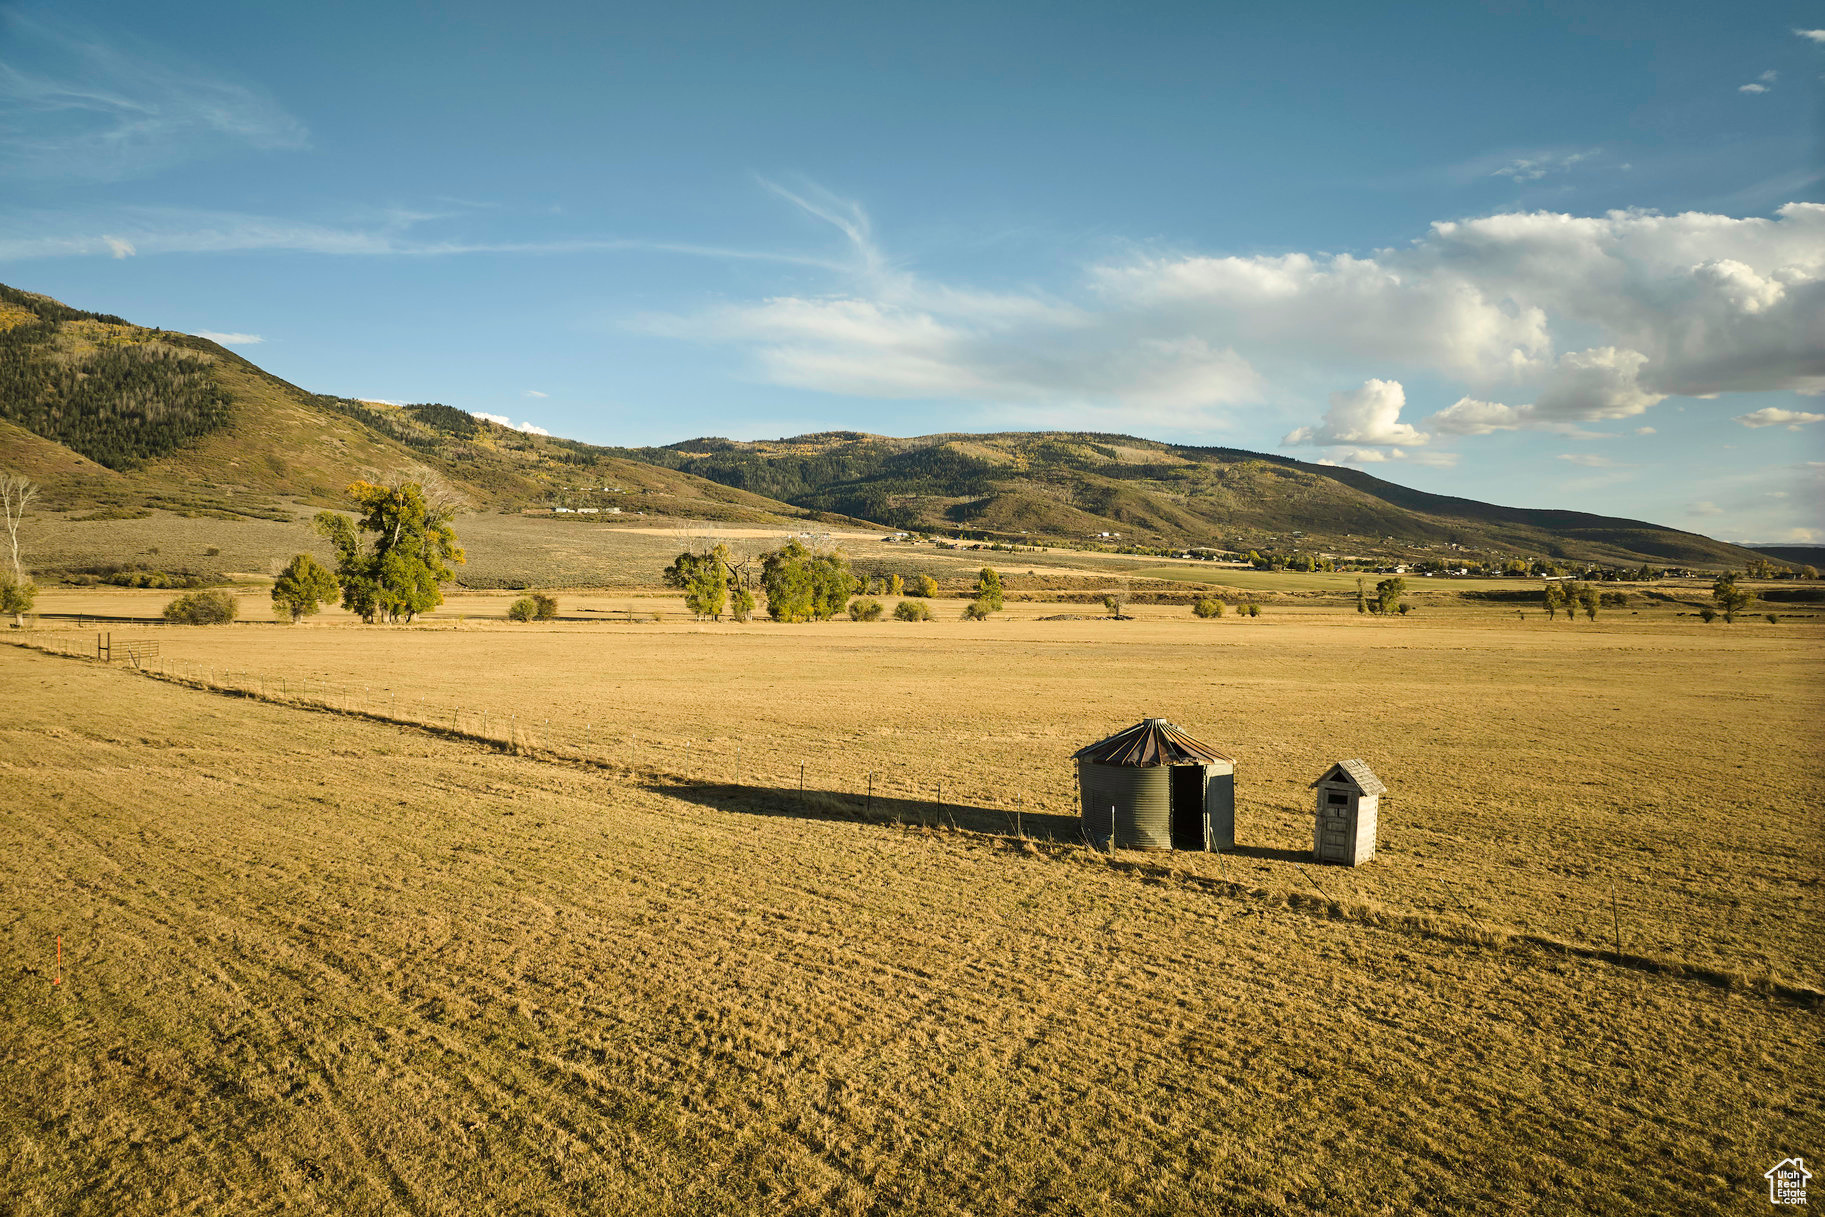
point(536, 393)
point(101, 110)
point(1752, 87)
point(1534, 167)
point(1812, 35)
point(1587, 459)
point(231, 340)
point(150, 231)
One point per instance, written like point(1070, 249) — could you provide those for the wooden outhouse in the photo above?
point(1349, 797)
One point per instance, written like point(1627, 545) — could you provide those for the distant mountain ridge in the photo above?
point(1081, 485)
point(112, 415)
point(107, 414)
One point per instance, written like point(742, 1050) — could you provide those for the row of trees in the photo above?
point(391, 559)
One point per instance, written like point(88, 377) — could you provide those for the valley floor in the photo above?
point(314, 960)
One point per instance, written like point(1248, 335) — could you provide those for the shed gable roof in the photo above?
point(1152, 741)
point(1355, 773)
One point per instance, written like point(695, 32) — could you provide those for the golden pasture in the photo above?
point(320, 960)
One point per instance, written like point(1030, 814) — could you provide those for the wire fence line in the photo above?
point(709, 761)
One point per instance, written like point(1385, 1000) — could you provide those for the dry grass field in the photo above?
point(318, 960)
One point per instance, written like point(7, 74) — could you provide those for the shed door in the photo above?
point(1188, 807)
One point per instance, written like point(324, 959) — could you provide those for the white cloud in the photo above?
point(1588, 460)
point(536, 393)
point(1772, 416)
point(1584, 386)
point(503, 420)
point(231, 340)
point(120, 248)
point(1812, 35)
point(1369, 415)
point(1769, 77)
point(1705, 508)
point(1645, 431)
point(1752, 88)
point(1376, 456)
point(101, 111)
point(1804, 536)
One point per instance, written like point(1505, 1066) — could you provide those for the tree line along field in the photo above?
point(317, 961)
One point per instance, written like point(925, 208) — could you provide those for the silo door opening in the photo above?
point(1188, 827)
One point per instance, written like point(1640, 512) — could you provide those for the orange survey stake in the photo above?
point(59, 979)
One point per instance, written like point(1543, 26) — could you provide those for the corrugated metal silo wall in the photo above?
point(1141, 796)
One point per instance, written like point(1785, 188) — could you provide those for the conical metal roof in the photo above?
point(1152, 741)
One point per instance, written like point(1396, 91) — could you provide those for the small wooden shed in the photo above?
point(1349, 798)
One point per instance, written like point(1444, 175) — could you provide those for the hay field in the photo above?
point(322, 961)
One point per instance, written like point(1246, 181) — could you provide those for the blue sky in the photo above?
point(1548, 255)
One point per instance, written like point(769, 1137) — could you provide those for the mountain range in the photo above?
point(111, 416)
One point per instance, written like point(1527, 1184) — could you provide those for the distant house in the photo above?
point(563, 511)
point(588, 511)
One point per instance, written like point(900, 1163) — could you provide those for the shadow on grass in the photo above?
point(881, 809)
point(1270, 853)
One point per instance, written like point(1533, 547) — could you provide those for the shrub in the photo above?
point(923, 585)
point(976, 611)
point(1404, 609)
point(201, 608)
point(912, 610)
point(865, 609)
point(1707, 614)
point(896, 586)
point(1209, 606)
point(212, 551)
point(1113, 604)
point(536, 607)
point(741, 604)
point(1250, 609)
point(1771, 618)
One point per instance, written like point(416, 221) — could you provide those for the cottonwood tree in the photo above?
point(1553, 599)
point(988, 589)
point(303, 588)
point(17, 593)
point(398, 575)
point(704, 578)
point(1729, 598)
point(1387, 595)
point(1362, 598)
point(804, 585)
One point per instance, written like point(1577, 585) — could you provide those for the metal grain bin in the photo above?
point(1154, 787)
